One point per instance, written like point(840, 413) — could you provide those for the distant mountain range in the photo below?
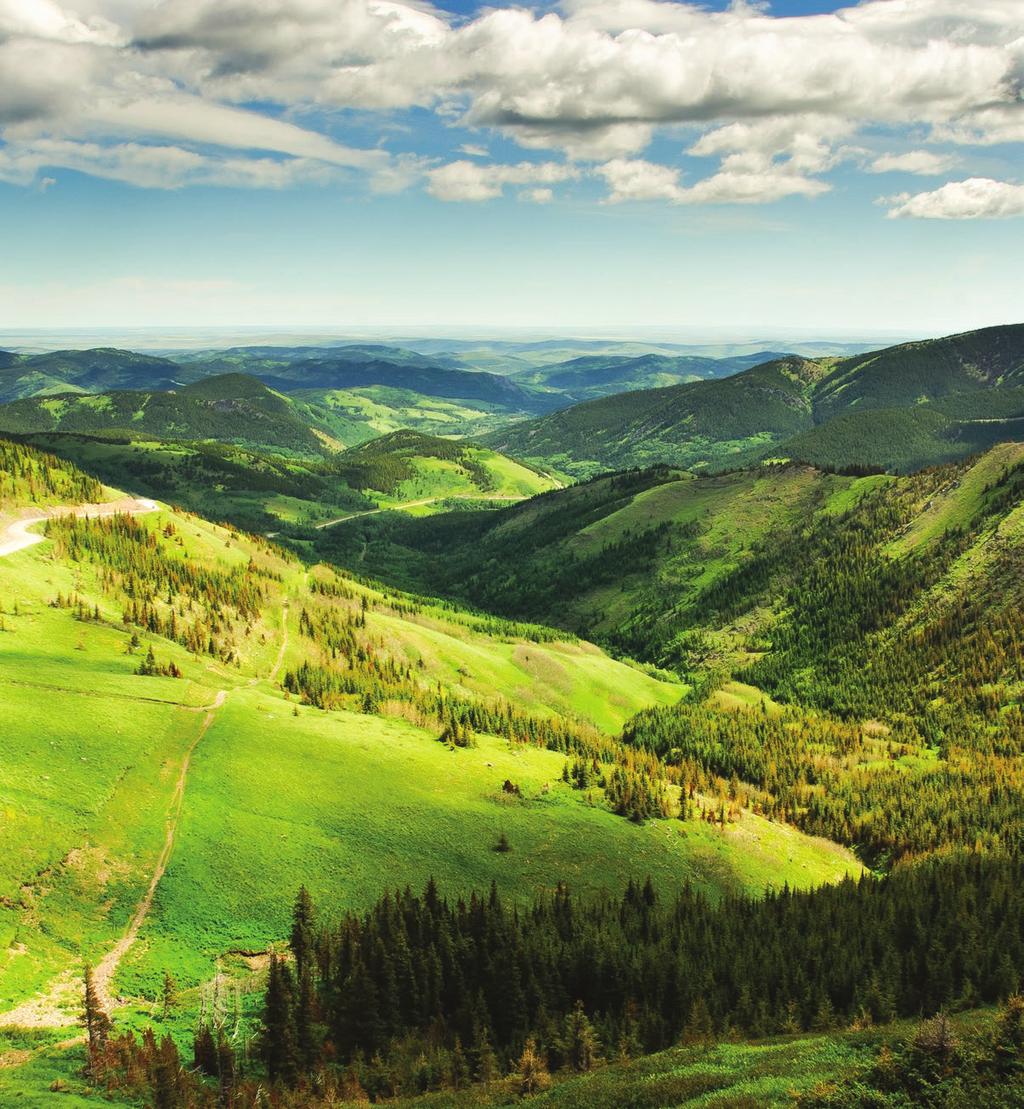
point(901, 408)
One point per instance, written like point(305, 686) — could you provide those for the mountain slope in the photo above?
point(336, 777)
point(756, 412)
point(915, 373)
point(725, 422)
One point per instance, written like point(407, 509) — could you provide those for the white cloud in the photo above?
point(733, 184)
point(464, 180)
point(975, 198)
point(155, 167)
point(922, 162)
point(639, 180)
point(537, 196)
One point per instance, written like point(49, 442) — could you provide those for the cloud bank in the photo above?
point(269, 93)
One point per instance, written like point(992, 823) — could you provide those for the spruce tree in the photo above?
point(278, 1046)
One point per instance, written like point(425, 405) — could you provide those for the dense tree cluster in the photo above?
point(404, 991)
point(30, 475)
point(878, 789)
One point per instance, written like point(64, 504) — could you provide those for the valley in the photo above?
point(774, 696)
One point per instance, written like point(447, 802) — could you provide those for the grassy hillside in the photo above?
point(853, 670)
point(232, 408)
point(930, 402)
point(407, 466)
point(884, 605)
point(346, 800)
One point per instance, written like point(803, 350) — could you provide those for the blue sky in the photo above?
point(600, 164)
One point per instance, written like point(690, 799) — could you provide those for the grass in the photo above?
point(352, 805)
point(574, 679)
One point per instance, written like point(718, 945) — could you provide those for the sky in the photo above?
point(593, 164)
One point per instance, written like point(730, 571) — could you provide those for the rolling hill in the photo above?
point(231, 408)
point(354, 392)
point(84, 371)
point(787, 408)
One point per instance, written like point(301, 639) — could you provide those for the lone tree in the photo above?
point(533, 1070)
point(96, 1022)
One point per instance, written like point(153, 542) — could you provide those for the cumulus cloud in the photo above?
point(923, 162)
point(975, 198)
point(777, 101)
point(733, 184)
point(464, 180)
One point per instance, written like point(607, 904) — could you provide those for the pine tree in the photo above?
point(303, 925)
point(485, 1062)
point(169, 994)
point(458, 1067)
point(579, 1042)
point(533, 1073)
point(699, 1027)
point(168, 1086)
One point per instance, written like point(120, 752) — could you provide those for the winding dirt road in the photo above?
point(16, 536)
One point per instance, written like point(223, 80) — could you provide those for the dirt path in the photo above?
point(107, 967)
point(15, 534)
point(512, 498)
point(276, 668)
point(56, 1007)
